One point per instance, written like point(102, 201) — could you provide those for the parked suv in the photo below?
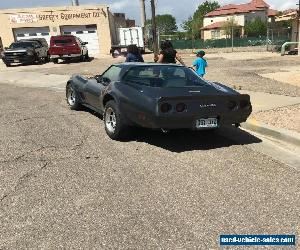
point(24, 52)
point(66, 47)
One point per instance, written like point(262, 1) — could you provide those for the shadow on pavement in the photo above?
point(186, 140)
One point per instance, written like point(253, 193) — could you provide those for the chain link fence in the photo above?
point(273, 41)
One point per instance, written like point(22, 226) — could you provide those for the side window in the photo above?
point(113, 73)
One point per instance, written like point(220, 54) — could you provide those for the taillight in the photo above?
point(180, 107)
point(165, 107)
point(232, 105)
point(244, 104)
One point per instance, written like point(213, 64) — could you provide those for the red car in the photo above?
point(67, 47)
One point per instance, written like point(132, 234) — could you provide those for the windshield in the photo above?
point(21, 45)
point(163, 76)
point(63, 41)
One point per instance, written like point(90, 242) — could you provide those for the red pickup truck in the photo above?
point(67, 47)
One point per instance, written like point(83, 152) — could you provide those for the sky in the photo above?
point(181, 9)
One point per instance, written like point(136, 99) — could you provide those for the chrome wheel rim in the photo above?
point(110, 120)
point(71, 97)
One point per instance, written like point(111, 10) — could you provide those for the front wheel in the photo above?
point(72, 98)
point(114, 122)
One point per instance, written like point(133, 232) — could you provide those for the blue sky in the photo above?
point(181, 9)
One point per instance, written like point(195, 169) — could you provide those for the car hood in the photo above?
point(18, 50)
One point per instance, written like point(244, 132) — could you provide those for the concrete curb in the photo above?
point(277, 133)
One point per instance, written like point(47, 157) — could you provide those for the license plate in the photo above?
point(16, 61)
point(207, 123)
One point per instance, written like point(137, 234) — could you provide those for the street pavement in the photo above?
point(66, 185)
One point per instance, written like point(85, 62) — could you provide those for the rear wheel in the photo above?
point(55, 60)
point(114, 124)
point(72, 98)
point(87, 57)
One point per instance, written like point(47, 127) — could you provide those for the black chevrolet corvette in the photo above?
point(157, 96)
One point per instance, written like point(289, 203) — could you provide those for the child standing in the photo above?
point(200, 63)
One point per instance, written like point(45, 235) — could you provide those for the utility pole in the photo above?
point(298, 24)
point(154, 34)
point(75, 2)
point(232, 38)
point(298, 28)
point(143, 18)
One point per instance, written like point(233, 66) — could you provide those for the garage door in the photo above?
point(27, 33)
point(87, 33)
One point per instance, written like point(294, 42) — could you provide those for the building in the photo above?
point(241, 13)
point(94, 24)
point(130, 23)
point(292, 16)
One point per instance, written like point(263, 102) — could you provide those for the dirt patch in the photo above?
point(285, 117)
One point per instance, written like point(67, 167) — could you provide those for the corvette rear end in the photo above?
point(201, 112)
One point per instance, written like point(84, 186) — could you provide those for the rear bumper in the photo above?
point(189, 122)
point(64, 56)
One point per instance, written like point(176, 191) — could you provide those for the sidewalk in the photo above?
point(275, 115)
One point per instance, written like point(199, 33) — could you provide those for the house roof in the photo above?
point(230, 9)
point(272, 12)
point(288, 15)
point(216, 25)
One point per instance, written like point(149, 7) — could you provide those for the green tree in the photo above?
point(194, 23)
point(256, 28)
point(166, 24)
point(231, 27)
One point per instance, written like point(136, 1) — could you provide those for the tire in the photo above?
point(8, 65)
point(82, 58)
point(87, 57)
point(115, 126)
point(47, 58)
point(73, 98)
point(55, 61)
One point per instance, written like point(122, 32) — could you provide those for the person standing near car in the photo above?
point(133, 54)
point(168, 54)
point(200, 63)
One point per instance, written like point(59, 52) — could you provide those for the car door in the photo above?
point(94, 89)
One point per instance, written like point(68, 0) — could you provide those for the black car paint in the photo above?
point(140, 104)
point(28, 54)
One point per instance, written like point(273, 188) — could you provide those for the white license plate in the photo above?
point(16, 61)
point(207, 123)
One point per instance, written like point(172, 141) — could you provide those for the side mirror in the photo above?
point(105, 80)
point(98, 78)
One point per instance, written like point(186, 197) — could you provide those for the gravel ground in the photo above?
point(285, 117)
point(66, 185)
point(243, 73)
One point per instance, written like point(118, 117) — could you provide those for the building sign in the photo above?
point(23, 18)
point(33, 18)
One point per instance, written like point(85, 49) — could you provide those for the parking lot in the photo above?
point(65, 184)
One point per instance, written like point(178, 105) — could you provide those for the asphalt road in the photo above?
point(65, 185)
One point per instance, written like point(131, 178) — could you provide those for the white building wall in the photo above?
point(240, 19)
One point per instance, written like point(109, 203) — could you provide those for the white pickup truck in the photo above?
point(128, 36)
